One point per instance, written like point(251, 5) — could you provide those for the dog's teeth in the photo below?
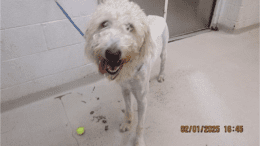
point(113, 71)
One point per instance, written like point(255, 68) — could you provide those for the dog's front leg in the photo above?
point(127, 124)
point(140, 90)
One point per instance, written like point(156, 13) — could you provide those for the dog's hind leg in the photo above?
point(165, 38)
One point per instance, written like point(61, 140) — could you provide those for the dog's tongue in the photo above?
point(103, 66)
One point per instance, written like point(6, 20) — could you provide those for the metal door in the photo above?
point(183, 16)
point(187, 16)
point(151, 7)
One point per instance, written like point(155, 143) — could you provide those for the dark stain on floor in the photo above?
point(99, 118)
point(80, 93)
point(83, 101)
point(92, 112)
point(123, 110)
point(106, 127)
point(59, 97)
point(93, 89)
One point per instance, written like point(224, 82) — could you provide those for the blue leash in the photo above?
point(69, 19)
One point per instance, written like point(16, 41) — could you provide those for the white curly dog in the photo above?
point(124, 43)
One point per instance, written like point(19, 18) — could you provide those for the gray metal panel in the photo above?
point(186, 16)
point(151, 7)
point(183, 16)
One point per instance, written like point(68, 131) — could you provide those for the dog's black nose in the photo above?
point(113, 55)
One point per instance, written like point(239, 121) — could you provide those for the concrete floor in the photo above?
point(211, 79)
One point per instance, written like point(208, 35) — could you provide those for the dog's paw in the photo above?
point(139, 141)
point(160, 78)
point(126, 126)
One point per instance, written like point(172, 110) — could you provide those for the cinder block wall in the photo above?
point(238, 14)
point(40, 48)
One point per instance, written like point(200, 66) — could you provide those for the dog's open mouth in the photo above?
point(111, 67)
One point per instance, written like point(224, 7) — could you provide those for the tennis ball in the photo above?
point(80, 131)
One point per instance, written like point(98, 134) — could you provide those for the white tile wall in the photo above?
point(227, 23)
point(235, 2)
point(2, 25)
point(239, 13)
point(41, 48)
point(248, 11)
point(80, 22)
point(233, 12)
point(247, 22)
point(47, 82)
point(27, 12)
point(22, 41)
point(249, 2)
point(61, 33)
point(248, 14)
point(77, 8)
point(31, 67)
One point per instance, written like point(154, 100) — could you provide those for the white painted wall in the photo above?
point(237, 14)
point(248, 13)
point(40, 47)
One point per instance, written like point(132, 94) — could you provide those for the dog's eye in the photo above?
point(129, 27)
point(104, 24)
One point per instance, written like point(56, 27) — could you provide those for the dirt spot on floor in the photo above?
point(80, 93)
point(83, 101)
point(92, 112)
point(93, 89)
point(99, 118)
point(59, 97)
point(106, 127)
point(123, 110)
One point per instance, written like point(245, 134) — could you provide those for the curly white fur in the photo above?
point(138, 44)
point(109, 27)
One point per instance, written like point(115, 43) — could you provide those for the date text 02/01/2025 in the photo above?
point(210, 129)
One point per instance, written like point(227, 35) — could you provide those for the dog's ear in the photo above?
point(148, 48)
point(86, 42)
point(85, 35)
point(87, 38)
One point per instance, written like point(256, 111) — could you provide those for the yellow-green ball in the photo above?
point(80, 130)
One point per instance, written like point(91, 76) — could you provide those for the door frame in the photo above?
point(213, 21)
